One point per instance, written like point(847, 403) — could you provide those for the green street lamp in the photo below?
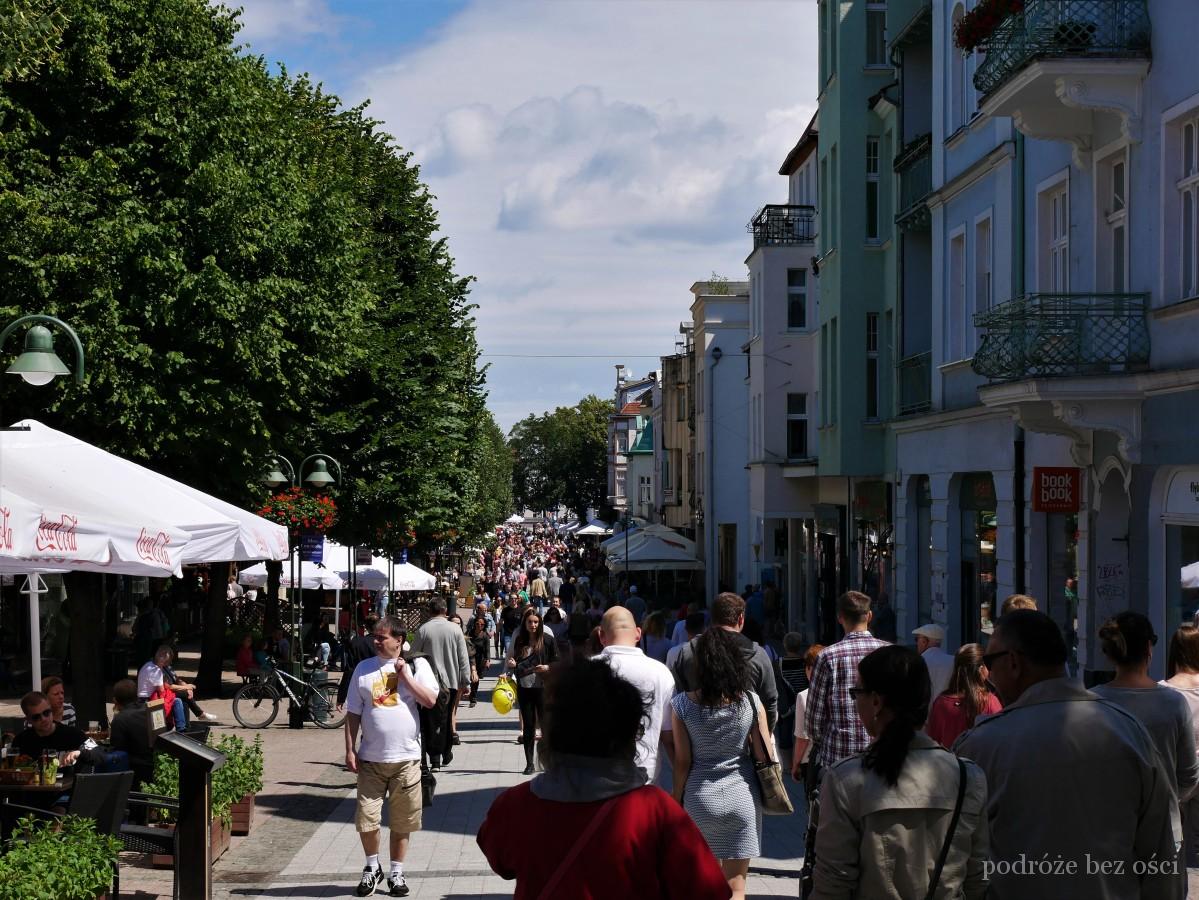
point(283, 472)
point(39, 364)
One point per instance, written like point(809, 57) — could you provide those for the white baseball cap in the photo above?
point(932, 632)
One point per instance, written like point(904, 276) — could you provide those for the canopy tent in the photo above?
point(616, 544)
point(653, 554)
point(594, 527)
point(374, 577)
point(66, 505)
point(514, 519)
point(407, 577)
point(312, 577)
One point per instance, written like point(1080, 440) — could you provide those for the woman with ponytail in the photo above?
point(905, 819)
point(964, 700)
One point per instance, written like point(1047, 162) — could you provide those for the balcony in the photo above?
point(779, 225)
point(1061, 65)
point(914, 374)
point(914, 167)
point(1040, 335)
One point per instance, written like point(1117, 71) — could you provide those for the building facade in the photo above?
point(674, 438)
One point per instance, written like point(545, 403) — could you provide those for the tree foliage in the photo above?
point(560, 458)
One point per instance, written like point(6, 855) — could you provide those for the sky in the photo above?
point(590, 159)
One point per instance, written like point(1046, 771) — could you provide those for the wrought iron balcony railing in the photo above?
point(1094, 29)
point(1041, 335)
point(779, 225)
point(914, 374)
point(914, 166)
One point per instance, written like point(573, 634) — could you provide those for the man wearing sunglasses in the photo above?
point(1072, 780)
point(44, 734)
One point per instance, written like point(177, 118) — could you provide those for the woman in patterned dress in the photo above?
point(714, 773)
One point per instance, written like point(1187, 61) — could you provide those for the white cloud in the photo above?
point(285, 20)
point(591, 160)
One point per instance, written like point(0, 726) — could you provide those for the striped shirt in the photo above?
point(831, 717)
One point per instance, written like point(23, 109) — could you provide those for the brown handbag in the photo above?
point(775, 801)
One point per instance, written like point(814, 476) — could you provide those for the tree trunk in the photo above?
point(212, 645)
point(84, 600)
point(270, 614)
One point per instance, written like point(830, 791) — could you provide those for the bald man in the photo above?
point(620, 636)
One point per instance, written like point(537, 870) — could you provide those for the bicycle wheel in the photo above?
point(322, 706)
point(256, 705)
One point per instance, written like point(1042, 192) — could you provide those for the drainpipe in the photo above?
point(713, 534)
point(1017, 291)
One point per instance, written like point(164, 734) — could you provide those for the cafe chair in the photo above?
point(144, 839)
point(99, 797)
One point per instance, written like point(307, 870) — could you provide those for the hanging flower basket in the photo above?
point(973, 29)
point(300, 511)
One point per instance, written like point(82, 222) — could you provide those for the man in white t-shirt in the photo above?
point(620, 635)
point(382, 704)
point(940, 663)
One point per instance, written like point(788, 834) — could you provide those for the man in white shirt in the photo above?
point(382, 705)
point(940, 663)
point(620, 635)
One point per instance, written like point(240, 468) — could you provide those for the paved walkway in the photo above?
point(303, 843)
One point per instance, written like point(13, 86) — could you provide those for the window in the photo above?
point(1054, 225)
point(834, 371)
point(876, 33)
point(622, 441)
point(824, 380)
point(645, 489)
point(667, 484)
point(982, 269)
point(680, 404)
point(1116, 213)
point(957, 78)
point(797, 298)
point(620, 484)
point(797, 426)
point(871, 365)
point(956, 305)
point(699, 392)
point(1188, 189)
point(872, 189)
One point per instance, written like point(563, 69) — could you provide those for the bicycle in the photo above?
point(256, 704)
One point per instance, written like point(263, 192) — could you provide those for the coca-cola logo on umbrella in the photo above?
point(153, 548)
point(6, 541)
point(58, 535)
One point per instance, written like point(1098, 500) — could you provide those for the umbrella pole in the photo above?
point(35, 631)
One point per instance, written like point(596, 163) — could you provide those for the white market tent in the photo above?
point(653, 554)
point(68, 506)
point(514, 519)
point(407, 577)
point(594, 527)
point(616, 544)
point(312, 577)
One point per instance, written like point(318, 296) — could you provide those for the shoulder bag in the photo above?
point(597, 820)
point(775, 801)
point(428, 781)
point(953, 827)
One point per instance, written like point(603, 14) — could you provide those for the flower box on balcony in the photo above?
point(972, 30)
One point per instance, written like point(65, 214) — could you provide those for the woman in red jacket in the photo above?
point(603, 833)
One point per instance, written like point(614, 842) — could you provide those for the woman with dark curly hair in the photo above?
point(905, 818)
point(713, 773)
point(591, 806)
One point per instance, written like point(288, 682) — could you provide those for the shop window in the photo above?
point(978, 586)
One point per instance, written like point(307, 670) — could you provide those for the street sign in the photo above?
point(312, 546)
point(363, 556)
point(1056, 489)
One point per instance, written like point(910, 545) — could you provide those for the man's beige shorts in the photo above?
point(400, 782)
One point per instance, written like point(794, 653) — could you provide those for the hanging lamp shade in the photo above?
point(320, 477)
point(38, 364)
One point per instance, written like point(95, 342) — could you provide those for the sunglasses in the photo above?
point(989, 658)
point(44, 714)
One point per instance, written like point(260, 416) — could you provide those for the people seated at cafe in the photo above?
point(130, 731)
point(152, 685)
point(44, 734)
point(185, 692)
point(56, 693)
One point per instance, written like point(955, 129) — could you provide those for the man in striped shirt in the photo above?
point(831, 717)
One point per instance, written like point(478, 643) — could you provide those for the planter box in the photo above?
point(220, 840)
point(243, 815)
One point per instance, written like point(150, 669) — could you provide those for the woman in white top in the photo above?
point(1182, 666)
point(803, 741)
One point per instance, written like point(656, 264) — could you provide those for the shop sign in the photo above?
point(1056, 489)
point(312, 546)
point(363, 556)
point(1182, 499)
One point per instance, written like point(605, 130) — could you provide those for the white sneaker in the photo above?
point(209, 717)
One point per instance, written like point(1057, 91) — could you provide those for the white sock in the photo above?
point(372, 862)
point(397, 869)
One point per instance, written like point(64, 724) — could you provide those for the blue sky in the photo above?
point(591, 159)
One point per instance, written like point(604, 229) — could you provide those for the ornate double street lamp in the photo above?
point(283, 472)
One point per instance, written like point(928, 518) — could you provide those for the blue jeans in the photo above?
point(178, 715)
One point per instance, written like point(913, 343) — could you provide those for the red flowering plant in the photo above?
point(300, 510)
point(973, 29)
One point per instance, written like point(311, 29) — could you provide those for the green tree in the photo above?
point(560, 458)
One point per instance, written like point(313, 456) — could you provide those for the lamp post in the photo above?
point(318, 479)
point(38, 364)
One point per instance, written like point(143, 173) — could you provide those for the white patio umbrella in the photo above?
point(654, 554)
point(312, 577)
point(407, 577)
point(1190, 576)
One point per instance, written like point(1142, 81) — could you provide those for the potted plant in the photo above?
point(975, 27)
point(241, 778)
point(64, 860)
point(300, 511)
